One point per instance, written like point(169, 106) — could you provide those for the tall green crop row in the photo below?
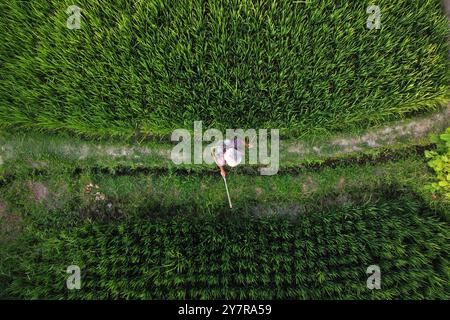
point(149, 67)
point(321, 255)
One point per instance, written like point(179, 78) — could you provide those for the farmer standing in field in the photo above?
point(227, 152)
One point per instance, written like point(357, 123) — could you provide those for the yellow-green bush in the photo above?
point(440, 162)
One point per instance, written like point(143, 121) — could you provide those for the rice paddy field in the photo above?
point(87, 178)
point(149, 67)
point(317, 257)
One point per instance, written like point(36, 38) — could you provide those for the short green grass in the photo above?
point(148, 67)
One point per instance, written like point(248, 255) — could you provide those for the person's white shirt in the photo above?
point(231, 156)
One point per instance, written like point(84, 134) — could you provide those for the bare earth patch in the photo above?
point(10, 224)
point(340, 184)
point(39, 191)
point(309, 186)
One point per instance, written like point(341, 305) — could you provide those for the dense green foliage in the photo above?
point(152, 66)
point(323, 255)
point(440, 162)
point(140, 228)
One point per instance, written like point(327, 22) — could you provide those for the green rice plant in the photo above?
point(320, 255)
point(139, 68)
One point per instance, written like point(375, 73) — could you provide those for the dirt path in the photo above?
point(446, 4)
point(34, 148)
point(409, 132)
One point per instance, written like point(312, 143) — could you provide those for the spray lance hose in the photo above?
point(223, 174)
